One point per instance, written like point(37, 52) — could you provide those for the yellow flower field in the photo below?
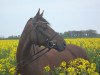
point(7, 56)
point(8, 53)
point(87, 43)
point(78, 66)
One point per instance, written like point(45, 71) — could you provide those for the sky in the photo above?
point(63, 15)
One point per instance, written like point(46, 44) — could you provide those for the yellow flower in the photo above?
point(93, 66)
point(47, 68)
point(94, 73)
point(0, 67)
point(62, 74)
point(89, 70)
point(63, 64)
point(12, 70)
point(70, 69)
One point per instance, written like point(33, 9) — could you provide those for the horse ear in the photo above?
point(42, 13)
point(38, 13)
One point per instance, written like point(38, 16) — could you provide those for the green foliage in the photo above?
point(95, 57)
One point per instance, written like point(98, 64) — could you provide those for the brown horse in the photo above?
point(31, 54)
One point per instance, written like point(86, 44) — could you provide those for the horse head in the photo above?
point(43, 34)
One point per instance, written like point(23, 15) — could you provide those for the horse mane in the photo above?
point(27, 29)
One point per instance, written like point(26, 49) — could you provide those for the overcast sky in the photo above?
point(63, 15)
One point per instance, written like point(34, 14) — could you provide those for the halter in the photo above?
point(49, 43)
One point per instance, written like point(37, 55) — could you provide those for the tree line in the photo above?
point(80, 34)
point(10, 37)
point(69, 34)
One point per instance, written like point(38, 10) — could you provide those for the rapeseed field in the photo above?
point(92, 46)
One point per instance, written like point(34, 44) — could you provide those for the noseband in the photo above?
point(49, 44)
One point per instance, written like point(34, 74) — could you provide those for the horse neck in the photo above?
point(23, 38)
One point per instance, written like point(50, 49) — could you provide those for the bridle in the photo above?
point(49, 45)
point(48, 42)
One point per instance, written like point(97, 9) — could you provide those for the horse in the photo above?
point(39, 46)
